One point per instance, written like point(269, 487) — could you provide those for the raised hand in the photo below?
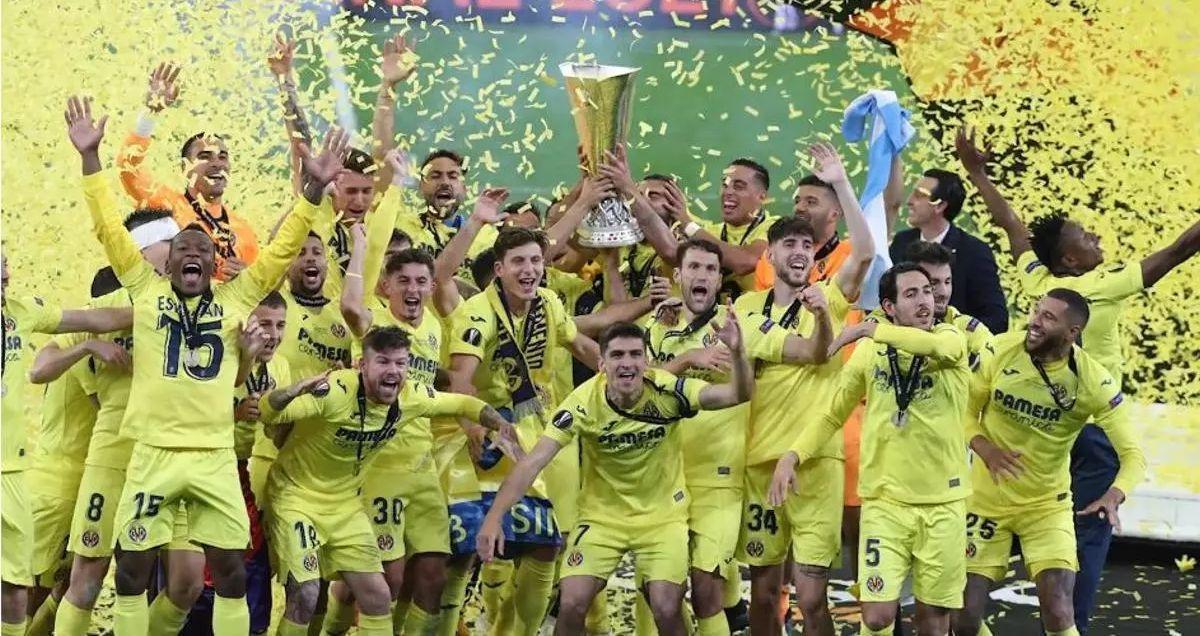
point(973, 159)
point(231, 267)
point(616, 168)
point(397, 160)
point(314, 385)
point(716, 359)
point(279, 60)
point(358, 234)
point(162, 90)
point(730, 333)
point(677, 203)
point(488, 207)
point(783, 482)
point(325, 167)
point(85, 133)
point(814, 299)
point(596, 189)
point(397, 62)
point(252, 340)
point(247, 409)
point(827, 163)
point(660, 290)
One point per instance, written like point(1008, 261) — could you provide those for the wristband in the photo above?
point(690, 229)
point(145, 123)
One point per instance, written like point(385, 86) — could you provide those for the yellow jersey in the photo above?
point(69, 410)
point(1020, 413)
point(742, 236)
point(22, 318)
point(779, 388)
point(338, 242)
point(336, 436)
point(432, 233)
point(714, 442)
point(249, 437)
point(1105, 288)
point(181, 397)
point(922, 457)
point(579, 298)
point(632, 471)
point(977, 333)
point(315, 337)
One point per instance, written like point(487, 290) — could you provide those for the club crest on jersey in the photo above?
point(432, 341)
point(710, 339)
point(90, 538)
point(755, 548)
point(137, 532)
point(575, 559)
point(310, 562)
point(337, 330)
point(650, 410)
point(563, 420)
point(971, 550)
point(875, 583)
point(385, 542)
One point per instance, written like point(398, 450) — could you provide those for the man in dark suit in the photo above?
point(932, 206)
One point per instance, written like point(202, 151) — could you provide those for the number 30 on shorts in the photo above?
point(381, 505)
point(987, 527)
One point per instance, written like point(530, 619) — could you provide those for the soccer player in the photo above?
point(1055, 251)
point(501, 344)
point(180, 406)
point(204, 160)
point(343, 419)
point(714, 449)
point(443, 191)
point(915, 376)
point(23, 317)
point(936, 260)
point(628, 421)
point(1031, 398)
point(742, 233)
point(809, 524)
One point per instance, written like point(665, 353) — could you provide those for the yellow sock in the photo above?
point(596, 621)
point(315, 624)
point(71, 620)
point(1070, 631)
point(131, 615)
point(288, 628)
point(369, 625)
point(418, 622)
point(494, 579)
point(42, 622)
point(733, 585)
point(643, 618)
point(886, 631)
point(12, 629)
point(339, 616)
point(983, 629)
point(458, 575)
point(530, 593)
point(165, 618)
point(715, 625)
point(399, 611)
point(231, 616)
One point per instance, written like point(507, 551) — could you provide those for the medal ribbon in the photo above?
point(393, 416)
point(788, 319)
point(219, 229)
point(315, 302)
point(191, 322)
point(1059, 398)
point(905, 387)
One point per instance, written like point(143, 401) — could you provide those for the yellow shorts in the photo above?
point(16, 531)
point(810, 522)
point(181, 538)
point(930, 540)
point(561, 477)
point(92, 533)
point(1047, 540)
point(205, 479)
point(408, 513)
point(51, 513)
point(259, 467)
point(595, 550)
point(317, 541)
point(714, 516)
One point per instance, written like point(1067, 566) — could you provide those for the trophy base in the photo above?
point(609, 224)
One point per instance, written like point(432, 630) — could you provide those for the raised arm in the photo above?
point(828, 167)
point(893, 195)
point(294, 122)
point(161, 92)
point(382, 220)
point(559, 234)
point(353, 302)
point(396, 64)
point(95, 320)
point(741, 381)
point(616, 169)
point(1158, 264)
point(585, 350)
point(975, 162)
point(281, 405)
point(53, 360)
point(487, 211)
point(815, 348)
point(490, 541)
point(943, 345)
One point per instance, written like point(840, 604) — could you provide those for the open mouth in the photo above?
point(389, 383)
point(216, 178)
point(191, 272)
point(625, 374)
point(412, 303)
point(698, 292)
point(312, 276)
point(798, 265)
point(528, 284)
point(728, 204)
point(444, 194)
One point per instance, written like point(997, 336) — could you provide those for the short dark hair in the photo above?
point(183, 151)
point(442, 153)
point(1077, 306)
point(408, 256)
point(274, 300)
point(142, 216)
point(400, 236)
point(1045, 237)
point(483, 267)
point(657, 176)
point(620, 330)
point(192, 227)
point(386, 339)
point(815, 181)
point(519, 207)
point(926, 252)
point(760, 171)
point(788, 227)
point(361, 162)
point(105, 282)
point(511, 237)
point(697, 244)
point(887, 284)
point(949, 190)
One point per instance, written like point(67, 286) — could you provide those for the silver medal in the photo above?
point(191, 358)
point(900, 418)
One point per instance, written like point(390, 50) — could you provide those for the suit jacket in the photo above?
point(976, 280)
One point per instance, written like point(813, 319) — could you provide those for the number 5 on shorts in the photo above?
point(872, 553)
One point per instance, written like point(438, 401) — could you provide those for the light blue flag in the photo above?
point(890, 132)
